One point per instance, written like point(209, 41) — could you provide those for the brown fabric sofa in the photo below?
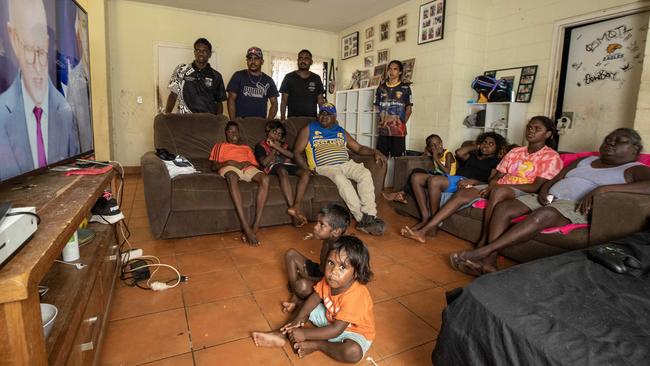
point(199, 204)
point(615, 215)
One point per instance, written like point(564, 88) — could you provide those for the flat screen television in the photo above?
point(45, 103)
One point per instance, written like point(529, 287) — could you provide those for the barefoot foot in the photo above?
point(415, 235)
point(270, 339)
point(288, 306)
point(249, 238)
point(298, 218)
point(304, 348)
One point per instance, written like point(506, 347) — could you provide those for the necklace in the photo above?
point(251, 78)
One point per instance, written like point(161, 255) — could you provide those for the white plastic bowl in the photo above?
point(48, 314)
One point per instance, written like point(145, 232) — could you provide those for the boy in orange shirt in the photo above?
point(340, 307)
point(237, 162)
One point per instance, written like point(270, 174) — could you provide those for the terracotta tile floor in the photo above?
point(235, 289)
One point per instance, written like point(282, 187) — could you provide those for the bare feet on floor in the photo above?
point(299, 218)
point(288, 307)
point(396, 196)
point(305, 347)
point(270, 339)
point(250, 239)
point(407, 232)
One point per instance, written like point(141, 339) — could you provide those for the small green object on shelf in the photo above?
point(85, 236)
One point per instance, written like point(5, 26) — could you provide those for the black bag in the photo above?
point(494, 90)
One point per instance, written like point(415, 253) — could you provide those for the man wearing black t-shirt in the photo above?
point(302, 90)
point(251, 90)
point(197, 86)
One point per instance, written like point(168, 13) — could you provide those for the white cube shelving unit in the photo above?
point(356, 113)
point(507, 118)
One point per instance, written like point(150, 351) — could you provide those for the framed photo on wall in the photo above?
point(382, 56)
point(401, 21)
point(369, 46)
point(370, 32)
point(350, 45)
point(432, 21)
point(384, 29)
point(407, 75)
point(400, 36)
point(368, 61)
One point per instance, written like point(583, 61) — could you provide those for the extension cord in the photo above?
point(159, 286)
point(131, 254)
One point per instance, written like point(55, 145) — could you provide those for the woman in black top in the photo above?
point(477, 163)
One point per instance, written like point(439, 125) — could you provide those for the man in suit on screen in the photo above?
point(36, 122)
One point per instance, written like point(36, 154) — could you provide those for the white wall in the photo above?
point(478, 36)
point(135, 29)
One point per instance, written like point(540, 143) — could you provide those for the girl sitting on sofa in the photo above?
point(522, 170)
point(477, 162)
point(571, 195)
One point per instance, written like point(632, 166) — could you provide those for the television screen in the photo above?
point(45, 109)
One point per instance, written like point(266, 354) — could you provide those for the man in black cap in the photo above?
point(197, 86)
point(250, 90)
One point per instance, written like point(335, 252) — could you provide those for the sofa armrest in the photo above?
point(404, 165)
point(157, 191)
point(378, 171)
point(616, 215)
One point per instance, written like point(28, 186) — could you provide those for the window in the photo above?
point(283, 63)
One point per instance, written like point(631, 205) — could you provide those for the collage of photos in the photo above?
point(350, 45)
point(526, 83)
point(432, 18)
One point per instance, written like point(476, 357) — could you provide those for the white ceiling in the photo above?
point(328, 15)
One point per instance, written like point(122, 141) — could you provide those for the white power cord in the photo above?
point(157, 285)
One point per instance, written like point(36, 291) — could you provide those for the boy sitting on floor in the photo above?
point(236, 162)
point(303, 273)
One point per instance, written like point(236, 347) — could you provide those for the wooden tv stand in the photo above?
point(82, 296)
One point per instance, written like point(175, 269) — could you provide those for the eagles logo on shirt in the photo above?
point(318, 135)
point(339, 135)
point(398, 94)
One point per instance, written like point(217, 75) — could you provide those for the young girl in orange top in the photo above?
point(340, 308)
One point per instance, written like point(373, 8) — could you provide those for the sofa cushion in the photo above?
point(568, 158)
point(191, 135)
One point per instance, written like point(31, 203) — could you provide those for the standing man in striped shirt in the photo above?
point(325, 144)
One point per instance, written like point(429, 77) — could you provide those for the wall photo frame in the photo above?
point(369, 46)
point(368, 61)
point(350, 45)
point(400, 36)
point(401, 21)
point(431, 25)
point(370, 32)
point(521, 79)
point(407, 74)
point(382, 56)
point(384, 30)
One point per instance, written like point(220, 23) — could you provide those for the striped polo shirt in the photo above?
point(326, 146)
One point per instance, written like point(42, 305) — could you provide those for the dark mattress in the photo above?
point(562, 310)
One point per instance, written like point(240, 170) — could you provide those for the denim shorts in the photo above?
point(318, 318)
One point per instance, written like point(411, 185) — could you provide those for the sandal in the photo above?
point(467, 266)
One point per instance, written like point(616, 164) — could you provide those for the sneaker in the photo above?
point(366, 220)
point(373, 225)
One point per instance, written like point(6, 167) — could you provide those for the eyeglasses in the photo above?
point(32, 53)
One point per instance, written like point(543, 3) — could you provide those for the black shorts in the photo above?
point(392, 145)
point(292, 169)
point(313, 269)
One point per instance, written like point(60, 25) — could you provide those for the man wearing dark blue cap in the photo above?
point(325, 144)
point(250, 90)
